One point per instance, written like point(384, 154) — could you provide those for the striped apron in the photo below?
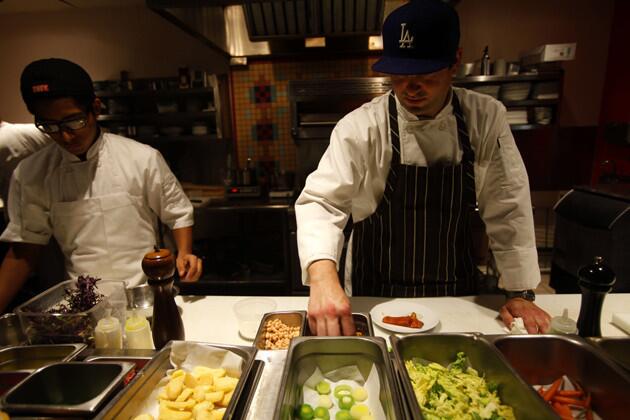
point(418, 241)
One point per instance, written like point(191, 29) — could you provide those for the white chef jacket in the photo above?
point(351, 176)
point(103, 211)
point(17, 141)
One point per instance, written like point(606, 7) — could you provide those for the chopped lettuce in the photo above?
point(455, 392)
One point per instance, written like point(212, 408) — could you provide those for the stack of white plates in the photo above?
point(517, 116)
point(492, 90)
point(515, 91)
point(546, 90)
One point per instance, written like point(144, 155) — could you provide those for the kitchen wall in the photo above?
point(103, 41)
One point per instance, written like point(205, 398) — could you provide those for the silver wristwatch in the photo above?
point(524, 294)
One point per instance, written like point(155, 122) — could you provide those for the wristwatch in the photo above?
point(523, 294)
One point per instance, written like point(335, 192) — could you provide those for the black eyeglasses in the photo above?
point(50, 127)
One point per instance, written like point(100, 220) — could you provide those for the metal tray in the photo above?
point(617, 348)
point(329, 353)
point(443, 349)
point(127, 404)
point(289, 318)
point(362, 323)
point(66, 389)
point(29, 358)
point(540, 359)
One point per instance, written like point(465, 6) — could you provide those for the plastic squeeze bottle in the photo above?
point(138, 332)
point(563, 324)
point(108, 333)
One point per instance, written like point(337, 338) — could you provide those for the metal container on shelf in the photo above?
point(128, 403)
point(306, 354)
point(66, 389)
point(617, 348)
point(483, 357)
point(541, 359)
point(291, 319)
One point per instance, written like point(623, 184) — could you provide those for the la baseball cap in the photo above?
point(54, 78)
point(419, 37)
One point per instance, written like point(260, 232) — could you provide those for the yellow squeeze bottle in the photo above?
point(138, 332)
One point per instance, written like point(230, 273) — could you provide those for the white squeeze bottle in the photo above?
point(138, 332)
point(108, 333)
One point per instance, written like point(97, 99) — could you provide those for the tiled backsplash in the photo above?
point(261, 107)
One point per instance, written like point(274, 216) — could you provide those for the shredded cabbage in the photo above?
point(455, 392)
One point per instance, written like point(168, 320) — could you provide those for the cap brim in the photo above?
point(409, 66)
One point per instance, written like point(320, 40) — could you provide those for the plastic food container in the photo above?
point(362, 325)
point(249, 312)
point(443, 349)
point(42, 327)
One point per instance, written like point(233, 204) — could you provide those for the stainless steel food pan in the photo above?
point(329, 353)
point(443, 349)
point(288, 318)
point(540, 359)
point(139, 361)
point(67, 389)
point(127, 404)
point(617, 348)
point(34, 357)
point(362, 323)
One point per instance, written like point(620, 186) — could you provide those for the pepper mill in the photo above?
point(159, 267)
point(595, 280)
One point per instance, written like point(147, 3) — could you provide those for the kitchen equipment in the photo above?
point(128, 403)
point(43, 327)
point(362, 324)
point(465, 69)
point(617, 348)
point(140, 298)
point(595, 281)
point(166, 106)
point(199, 129)
point(549, 52)
point(542, 115)
point(515, 91)
point(138, 332)
point(10, 330)
point(401, 307)
point(140, 358)
point(541, 359)
point(66, 389)
point(485, 62)
point(159, 267)
point(483, 357)
point(329, 353)
point(563, 324)
point(293, 319)
point(29, 358)
point(108, 333)
point(249, 313)
point(500, 67)
point(491, 90)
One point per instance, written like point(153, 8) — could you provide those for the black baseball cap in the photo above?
point(419, 37)
point(55, 78)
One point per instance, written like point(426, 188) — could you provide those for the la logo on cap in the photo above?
point(406, 40)
point(40, 88)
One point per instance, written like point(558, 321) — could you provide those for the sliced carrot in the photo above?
point(551, 391)
point(570, 393)
point(587, 402)
point(569, 401)
point(563, 410)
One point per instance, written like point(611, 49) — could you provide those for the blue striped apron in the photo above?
point(418, 241)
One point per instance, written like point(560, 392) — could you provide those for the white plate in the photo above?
point(399, 307)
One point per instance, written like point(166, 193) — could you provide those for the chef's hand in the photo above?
point(535, 319)
point(328, 305)
point(189, 267)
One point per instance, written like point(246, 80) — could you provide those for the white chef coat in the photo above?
point(17, 141)
point(351, 176)
point(102, 211)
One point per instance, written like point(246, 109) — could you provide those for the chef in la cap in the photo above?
point(411, 167)
point(100, 195)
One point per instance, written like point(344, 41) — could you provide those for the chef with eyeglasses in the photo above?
point(98, 194)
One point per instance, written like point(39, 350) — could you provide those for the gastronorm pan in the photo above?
point(127, 404)
point(66, 388)
point(362, 323)
point(540, 359)
point(34, 357)
point(617, 348)
point(443, 349)
point(288, 318)
point(329, 353)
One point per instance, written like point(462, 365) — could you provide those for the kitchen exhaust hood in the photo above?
point(261, 28)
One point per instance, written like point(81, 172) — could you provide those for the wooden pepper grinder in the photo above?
point(159, 267)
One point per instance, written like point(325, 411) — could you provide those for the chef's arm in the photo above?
point(19, 262)
point(189, 266)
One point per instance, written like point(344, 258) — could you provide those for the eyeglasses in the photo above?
point(49, 127)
